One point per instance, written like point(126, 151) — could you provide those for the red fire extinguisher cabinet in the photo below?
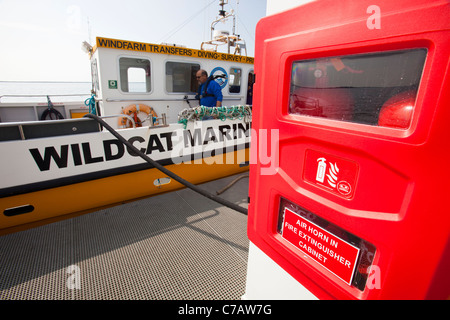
point(353, 98)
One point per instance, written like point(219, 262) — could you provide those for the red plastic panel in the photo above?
point(384, 179)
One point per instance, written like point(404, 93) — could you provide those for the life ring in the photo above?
point(133, 110)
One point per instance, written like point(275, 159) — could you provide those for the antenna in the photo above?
point(221, 37)
point(89, 31)
point(222, 3)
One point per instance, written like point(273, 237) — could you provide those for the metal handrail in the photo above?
point(121, 116)
point(24, 123)
point(43, 95)
point(166, 99)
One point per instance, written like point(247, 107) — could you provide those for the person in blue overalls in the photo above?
point(209, 92)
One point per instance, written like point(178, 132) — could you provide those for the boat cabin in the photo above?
point(163, 77)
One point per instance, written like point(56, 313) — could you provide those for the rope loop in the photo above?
point(223, 113)
point(90, 102)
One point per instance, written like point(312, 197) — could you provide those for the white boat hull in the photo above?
point(51, 177)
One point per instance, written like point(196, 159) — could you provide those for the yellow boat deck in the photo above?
point(174, 246)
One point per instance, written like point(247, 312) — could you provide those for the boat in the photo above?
point(58, 162)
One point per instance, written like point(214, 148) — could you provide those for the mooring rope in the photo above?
point(222, 113)
point(161, 168)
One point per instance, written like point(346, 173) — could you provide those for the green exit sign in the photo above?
point(112, 84)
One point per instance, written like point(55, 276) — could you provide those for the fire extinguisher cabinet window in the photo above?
point(374, 89)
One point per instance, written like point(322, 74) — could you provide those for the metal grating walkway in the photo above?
point(178, 246)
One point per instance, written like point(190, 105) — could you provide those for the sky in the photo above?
point(40, 40)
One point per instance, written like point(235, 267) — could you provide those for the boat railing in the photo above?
point(225, 98)
point(42, 95)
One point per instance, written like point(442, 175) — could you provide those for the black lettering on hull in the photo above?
point(82, 153)
point(49, 154)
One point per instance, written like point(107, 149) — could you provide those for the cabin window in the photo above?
point(235, 80)
point(180, 77)
point(375, 89)
point(250, 83)
point(135, 75)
